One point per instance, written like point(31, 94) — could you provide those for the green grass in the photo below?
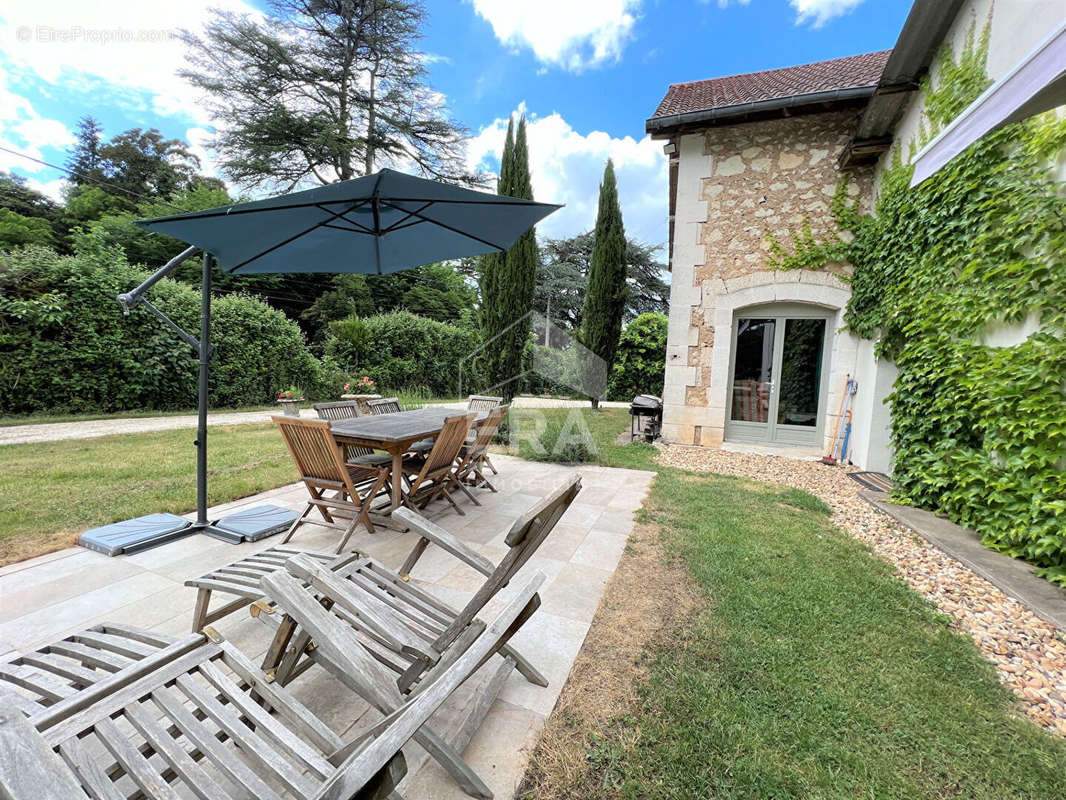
point(809, 670)
point(50, 492)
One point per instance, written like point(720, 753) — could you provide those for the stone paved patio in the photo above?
point(51, 596)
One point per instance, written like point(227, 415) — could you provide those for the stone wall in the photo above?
point(736, 183)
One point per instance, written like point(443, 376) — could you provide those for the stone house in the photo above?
point(758, 355)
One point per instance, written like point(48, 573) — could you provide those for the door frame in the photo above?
point(771, 432)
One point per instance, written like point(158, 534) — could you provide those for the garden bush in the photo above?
point(67, 346)
point(402, 350)
point(640, 361)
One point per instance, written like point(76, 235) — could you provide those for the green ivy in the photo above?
point(809, 253)
point(979, 431)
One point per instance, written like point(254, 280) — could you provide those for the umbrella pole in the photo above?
point(201, 425)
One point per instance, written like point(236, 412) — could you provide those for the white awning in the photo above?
point(1035, 84)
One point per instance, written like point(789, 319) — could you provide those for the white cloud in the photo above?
point(819, 12)
point(567, 167)
point(128, 44)
point(53, 189)
point(573, 34)
point(24, 130)
point(727, 3)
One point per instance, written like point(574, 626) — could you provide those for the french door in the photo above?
point(778, 375)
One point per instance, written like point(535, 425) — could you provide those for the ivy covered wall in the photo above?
point(979, 430)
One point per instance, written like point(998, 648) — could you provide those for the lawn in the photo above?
point(51, 492)
point(806, 669)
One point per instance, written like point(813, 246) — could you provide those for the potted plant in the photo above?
point(361, 391)
point(290, 400)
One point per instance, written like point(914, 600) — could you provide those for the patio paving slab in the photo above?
point(46, 598)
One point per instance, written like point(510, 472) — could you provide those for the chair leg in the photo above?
point(483, 480)
point(464, 490)
point(298, 521)
point(413, 556)
point(199, 614)
point(490, 465)
point(455, 505)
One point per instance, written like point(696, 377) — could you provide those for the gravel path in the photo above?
point(1029, 653)
point(56, 431)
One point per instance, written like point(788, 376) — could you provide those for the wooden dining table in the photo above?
point(395, 433)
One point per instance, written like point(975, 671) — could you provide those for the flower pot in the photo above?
point(291, 408)
point(362, 400)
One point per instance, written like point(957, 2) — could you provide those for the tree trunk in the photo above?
point(595, 404)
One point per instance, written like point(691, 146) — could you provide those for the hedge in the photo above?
point(67, 347)
point(640, 361)
point(402, 351)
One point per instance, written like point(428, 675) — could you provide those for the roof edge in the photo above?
point(666, 123)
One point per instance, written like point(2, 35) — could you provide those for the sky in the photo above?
point(587, 74)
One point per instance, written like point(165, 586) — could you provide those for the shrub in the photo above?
point(402, 350)
point(640, 361)
point(67, 346)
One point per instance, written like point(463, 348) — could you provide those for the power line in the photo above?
point(89, 179)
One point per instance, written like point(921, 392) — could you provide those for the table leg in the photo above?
point(397, 478)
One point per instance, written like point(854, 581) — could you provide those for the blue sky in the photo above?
point(586, 72)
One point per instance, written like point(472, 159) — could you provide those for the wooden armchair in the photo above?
point(431, 477)
point(385, 405)
point(353, 453)
point(473, 456)
point(198, 719)
point(482, 402)
point(321, 463)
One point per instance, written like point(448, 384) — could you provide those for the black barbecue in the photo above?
point(646, 414)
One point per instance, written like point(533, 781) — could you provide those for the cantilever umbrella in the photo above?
point(378, 224)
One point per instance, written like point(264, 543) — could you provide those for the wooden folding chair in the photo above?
point(384, 405)
point(473, 455)
point(353, 453)
point(358, 604)
point(320, 461)
point(408, 629)
point(198, 719)
point(482, 402)
point(433, 475)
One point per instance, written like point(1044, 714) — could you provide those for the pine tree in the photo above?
point(605, 303)
point(85, 162)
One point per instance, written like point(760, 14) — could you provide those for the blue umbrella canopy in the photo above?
point(380, 223)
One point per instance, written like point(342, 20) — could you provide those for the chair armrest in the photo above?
point(437, 535)
point(29, 768)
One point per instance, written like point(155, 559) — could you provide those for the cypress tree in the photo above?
point(510, 278)
point(605, 301)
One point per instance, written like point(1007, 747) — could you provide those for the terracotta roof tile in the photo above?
point(822, 76)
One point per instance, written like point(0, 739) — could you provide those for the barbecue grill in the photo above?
point(646, 417)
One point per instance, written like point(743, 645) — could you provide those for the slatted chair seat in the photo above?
point(34, 681)
point(197, 719)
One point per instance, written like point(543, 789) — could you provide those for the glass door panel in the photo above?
point(801, 372)
point(753, 370)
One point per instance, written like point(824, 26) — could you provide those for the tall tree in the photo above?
point(84, 162)
point(605, 302)
point(509, 280)
point(562, 279)
point(323, 90)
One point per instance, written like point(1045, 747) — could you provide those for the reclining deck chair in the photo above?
point(197, 719)
point(322, 466)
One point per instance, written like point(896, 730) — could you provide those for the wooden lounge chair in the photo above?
point(198, 719)
point(242, 578)
point(353, 453)
point(406, 628)
point(431, 476)
point(322, 466)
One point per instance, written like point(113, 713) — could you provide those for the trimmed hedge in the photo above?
point(66, 345)
point(403, 351)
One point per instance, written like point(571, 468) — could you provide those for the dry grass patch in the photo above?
point(644, 607)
